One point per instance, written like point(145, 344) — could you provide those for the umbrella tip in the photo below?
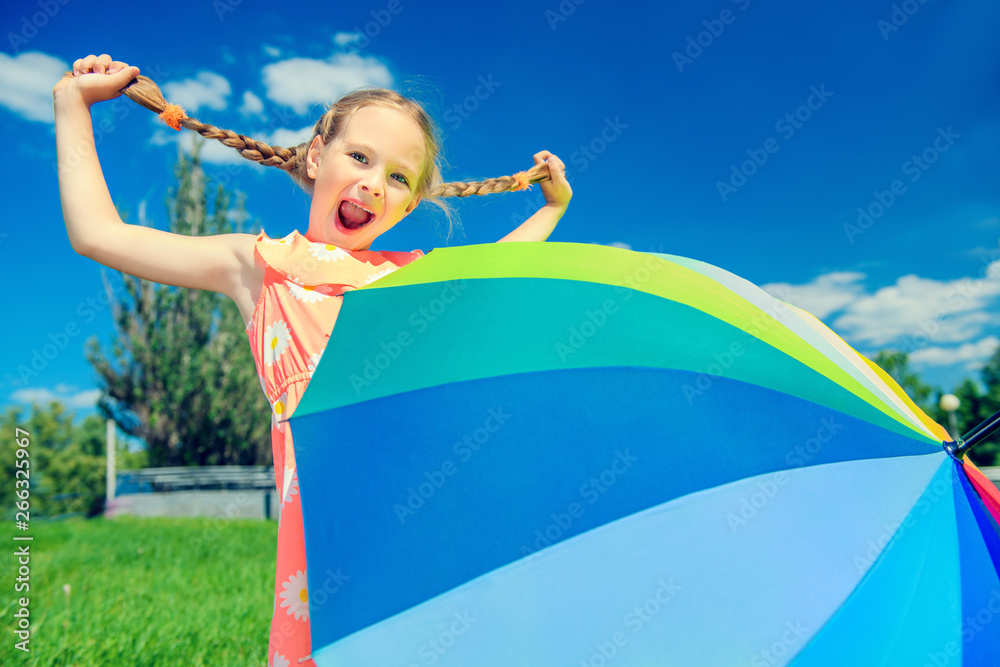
point(957, 448)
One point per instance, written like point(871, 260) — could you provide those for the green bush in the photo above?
point(66, 468)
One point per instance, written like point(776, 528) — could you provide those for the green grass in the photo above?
point(143, 592)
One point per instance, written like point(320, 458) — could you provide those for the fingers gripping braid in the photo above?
point(144, 92)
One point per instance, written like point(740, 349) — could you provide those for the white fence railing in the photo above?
point(195, 478)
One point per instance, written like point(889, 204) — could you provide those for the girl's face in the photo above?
point(365, 178)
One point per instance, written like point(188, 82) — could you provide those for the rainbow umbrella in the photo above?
point(559, 454)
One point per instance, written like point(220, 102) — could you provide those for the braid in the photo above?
point(538, 173)
point(144, 92)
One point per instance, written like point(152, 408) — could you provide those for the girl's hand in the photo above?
point(556, 190)
point(557, 195)
point(97, 78)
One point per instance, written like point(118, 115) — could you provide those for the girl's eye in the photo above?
point(401, 179)
point(359, 157)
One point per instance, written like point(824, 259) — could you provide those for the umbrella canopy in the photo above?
point(561, 454)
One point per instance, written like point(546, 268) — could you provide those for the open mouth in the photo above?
point(353, 216)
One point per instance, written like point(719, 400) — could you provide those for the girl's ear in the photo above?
point(413, 204)
point(313, 156)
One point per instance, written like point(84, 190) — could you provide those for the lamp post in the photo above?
point(949, 403)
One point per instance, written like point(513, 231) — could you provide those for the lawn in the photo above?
point(142, 592)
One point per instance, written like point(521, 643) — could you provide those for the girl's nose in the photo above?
point(373, 187)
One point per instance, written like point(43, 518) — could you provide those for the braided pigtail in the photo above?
point(144, 92)
point(519, 181)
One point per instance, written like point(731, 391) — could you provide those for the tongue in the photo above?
point(352, 215)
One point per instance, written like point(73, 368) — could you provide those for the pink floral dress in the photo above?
point(291, 324)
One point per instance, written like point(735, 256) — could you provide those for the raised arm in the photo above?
point(222, 263)
point(557, 195)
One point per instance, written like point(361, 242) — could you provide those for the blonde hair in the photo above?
point(145, 92)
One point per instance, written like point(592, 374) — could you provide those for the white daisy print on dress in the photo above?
point(381, 274)
point(308, 293)
point(280, 661)
point(314, 361)
point(296, 596)
point(327, 252)
point(277, 337)
point(291, 485)
point(279, 411)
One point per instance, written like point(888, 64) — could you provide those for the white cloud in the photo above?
point(272, 51)
point(619, 244)
point(288, 137)
point(82, 399)
point(208, 89)
point(301, 83)
point(252, 105)
point(214, 152)
point(26, 82)
point(823, 295)
point(345, 38)
point(972, 355)
point(916, 308)
point(939, 322)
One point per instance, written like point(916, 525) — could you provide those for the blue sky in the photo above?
point(746, 134)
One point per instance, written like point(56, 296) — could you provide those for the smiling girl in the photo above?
point(372, 159)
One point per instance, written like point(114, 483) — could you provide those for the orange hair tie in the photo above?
point(173, 115)
point(521, 181)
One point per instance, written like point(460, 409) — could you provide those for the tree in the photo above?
point(897, 365)
point(66, 467)
point(976, 405)
point(180, 374)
